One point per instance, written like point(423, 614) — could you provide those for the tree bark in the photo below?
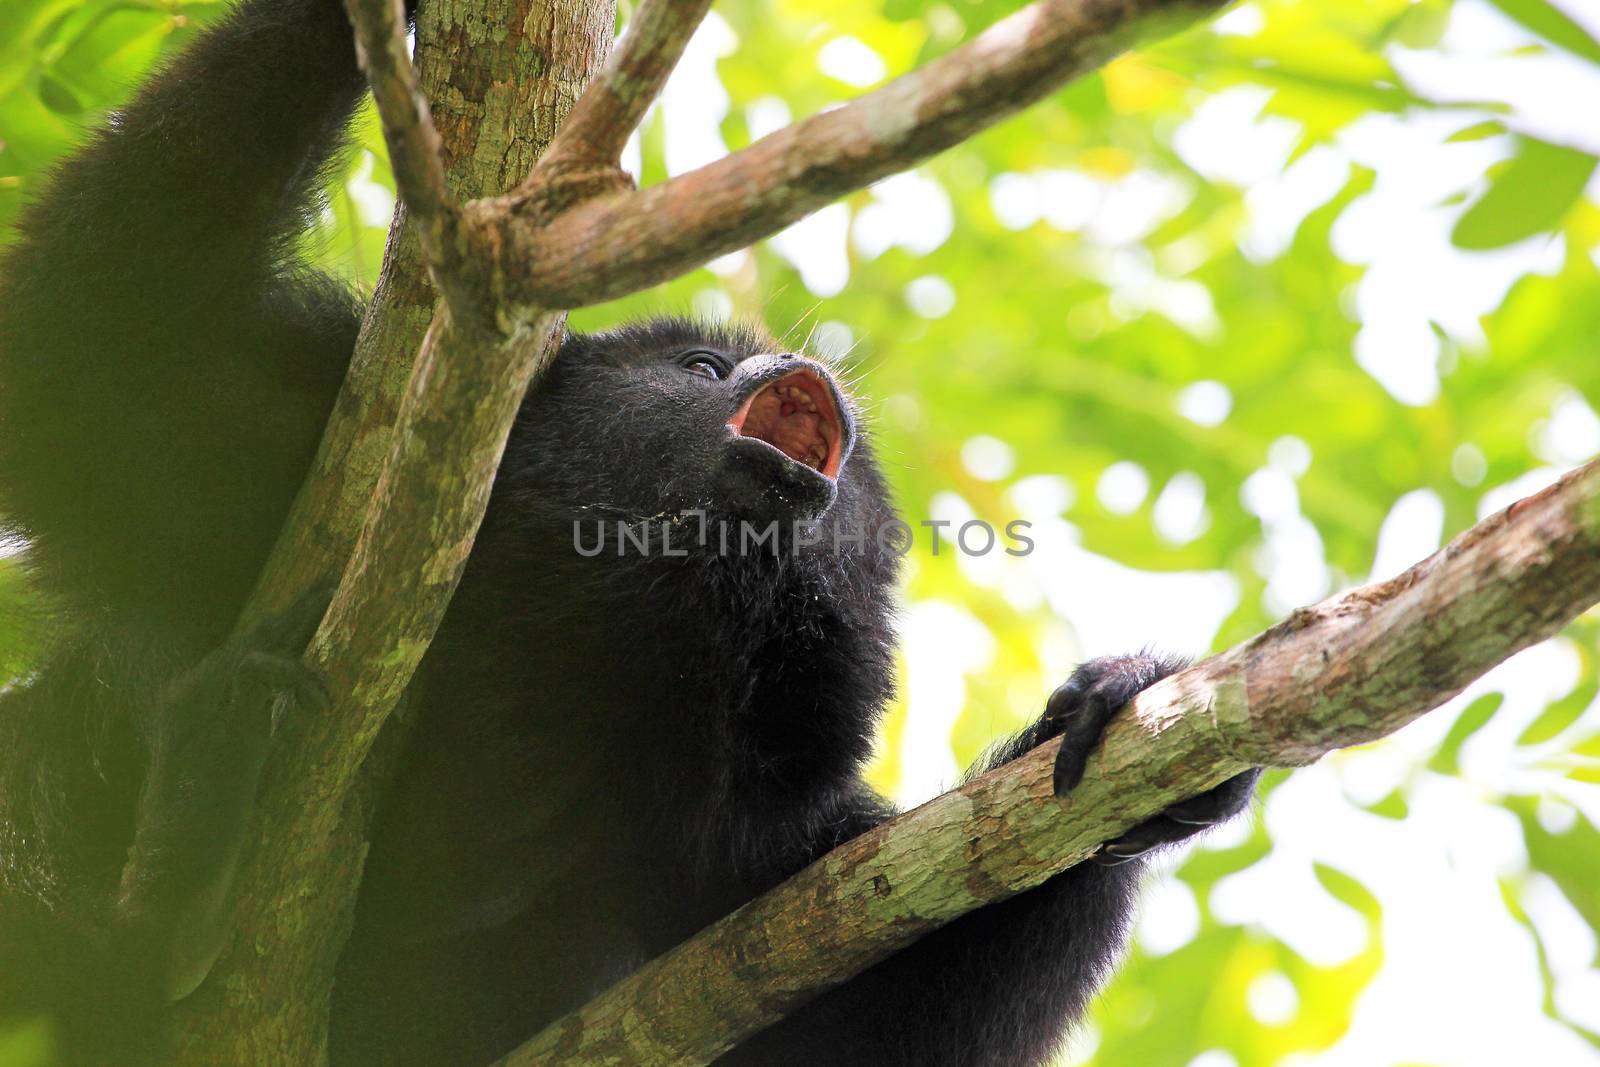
point(1351, 669)
point(501, 75)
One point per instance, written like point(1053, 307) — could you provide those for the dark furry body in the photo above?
point(607, 753)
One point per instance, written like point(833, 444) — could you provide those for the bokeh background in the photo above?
point(1254, 314)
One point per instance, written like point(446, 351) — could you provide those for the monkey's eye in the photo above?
point(704, 365)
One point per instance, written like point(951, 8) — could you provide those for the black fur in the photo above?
point(608, 751)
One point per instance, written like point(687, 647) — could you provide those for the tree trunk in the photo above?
point(501, 75)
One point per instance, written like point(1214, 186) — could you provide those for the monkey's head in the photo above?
point(665, 417)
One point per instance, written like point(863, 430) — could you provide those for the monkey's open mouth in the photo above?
point(797, 415)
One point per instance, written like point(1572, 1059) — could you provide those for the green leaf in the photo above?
point(1393, 806)
point(58, 98)
point(1560, 714)
point(1532, 194)
point(1569, 858)
point(1346, 890)
point(1421, 25)
point(1472, 718)
point(1553, 25)
point(1477, 131)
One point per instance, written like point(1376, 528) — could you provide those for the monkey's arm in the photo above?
point(167, 364)
point(999, 986)
point(100, 958)
point(208, 744)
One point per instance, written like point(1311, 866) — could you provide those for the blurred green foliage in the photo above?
point(1215, 309)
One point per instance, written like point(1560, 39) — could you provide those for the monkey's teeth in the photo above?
point(797, 420)
point(796, 395)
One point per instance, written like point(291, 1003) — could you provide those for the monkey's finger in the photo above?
point(1186, 818)
point(1072, 759)
point(1082, 710)
point(1067, 700)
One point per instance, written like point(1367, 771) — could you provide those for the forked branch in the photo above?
point(619, 244)
point(576, 232)
point(505, 262)
point(398, 545)
point(1351, 669)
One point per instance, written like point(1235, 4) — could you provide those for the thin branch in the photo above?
point(1351, 669)
point(610, 109)
point(611, 246)
point(415, 150)
point(416, 153)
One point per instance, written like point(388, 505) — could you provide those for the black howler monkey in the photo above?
point(608, 751)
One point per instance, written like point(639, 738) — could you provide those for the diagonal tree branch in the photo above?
point(496, 99)
point(615, 245)
point(1346, 671)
